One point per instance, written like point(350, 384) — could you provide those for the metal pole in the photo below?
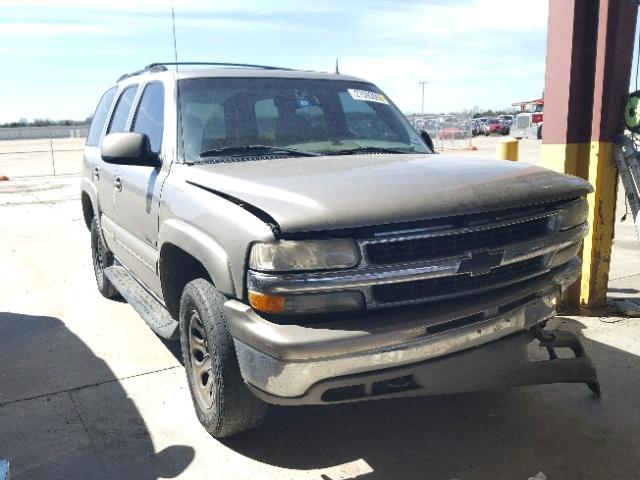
point(53, 160)
point(423, 83)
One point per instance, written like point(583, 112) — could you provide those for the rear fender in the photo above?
point(88, 188)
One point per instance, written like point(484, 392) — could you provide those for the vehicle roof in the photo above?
point(204, 72)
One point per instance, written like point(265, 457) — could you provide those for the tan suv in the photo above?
point(307, 247)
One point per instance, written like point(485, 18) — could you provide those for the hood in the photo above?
point(334, 192)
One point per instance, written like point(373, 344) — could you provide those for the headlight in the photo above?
point(289, 255)
point(573, 214)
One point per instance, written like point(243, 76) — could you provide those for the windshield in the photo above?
point(245, 117)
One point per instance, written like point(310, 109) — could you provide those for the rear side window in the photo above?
point(150, 115)
point(121, 113)
point(100, 117)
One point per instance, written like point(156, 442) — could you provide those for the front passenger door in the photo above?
point(107, 172)
point(137, 200)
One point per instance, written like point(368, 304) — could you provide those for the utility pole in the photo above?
point(423, 83)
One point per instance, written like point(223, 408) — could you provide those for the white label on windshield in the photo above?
point(367, 96)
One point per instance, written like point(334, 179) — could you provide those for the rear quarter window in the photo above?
point(100, 117)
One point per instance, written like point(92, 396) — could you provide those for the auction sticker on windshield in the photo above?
point(367, 96)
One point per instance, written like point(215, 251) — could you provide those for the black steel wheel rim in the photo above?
point(200, 361)
point(97, 259)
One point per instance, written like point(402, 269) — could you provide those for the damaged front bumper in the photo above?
point(396, 352)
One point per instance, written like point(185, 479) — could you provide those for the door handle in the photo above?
point(96, 173)
point(117, 184)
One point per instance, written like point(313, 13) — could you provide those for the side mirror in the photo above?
point(128, 148)
point(426, 138)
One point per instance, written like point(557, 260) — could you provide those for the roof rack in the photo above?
point(162, 67)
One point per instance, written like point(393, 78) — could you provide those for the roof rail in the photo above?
point(154, 67)
point(162, 66)
point(218, 64)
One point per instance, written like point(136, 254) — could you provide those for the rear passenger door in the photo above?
point(137, 200)
point(92, 163)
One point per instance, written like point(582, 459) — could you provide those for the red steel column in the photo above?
point(589, 50)
point(616, 34)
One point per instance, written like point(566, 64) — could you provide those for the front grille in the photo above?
point(455, 244)
point(523, 121)
point(443, 287)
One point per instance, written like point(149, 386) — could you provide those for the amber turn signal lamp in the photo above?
point(266, 303)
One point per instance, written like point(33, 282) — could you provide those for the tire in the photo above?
point(539, 135)
point(223, 403)
point(102, 258)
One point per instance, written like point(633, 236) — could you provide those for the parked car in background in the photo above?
point(493, 126)
point(454, 131)
point(507, 120)
point(476, 127)
point(418, 124)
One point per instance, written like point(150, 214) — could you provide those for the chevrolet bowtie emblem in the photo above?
point(481, 262)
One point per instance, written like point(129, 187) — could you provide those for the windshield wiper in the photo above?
point(355, 151)
point(255, 150)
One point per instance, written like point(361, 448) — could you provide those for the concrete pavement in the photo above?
point(88, 391)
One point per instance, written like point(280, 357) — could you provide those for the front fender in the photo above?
point(202, 247)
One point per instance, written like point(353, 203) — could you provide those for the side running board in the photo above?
point(151, 311)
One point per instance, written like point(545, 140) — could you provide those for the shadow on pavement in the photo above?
point(173, 346)
point(56, 422)
point(561, 430)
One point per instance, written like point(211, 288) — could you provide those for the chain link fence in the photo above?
point(38, 151)
point(57, 150)
point(448, 131)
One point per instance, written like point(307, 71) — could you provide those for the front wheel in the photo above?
point(223, 403)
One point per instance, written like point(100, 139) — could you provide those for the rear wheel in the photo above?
point(539, 135)
point(223, 403)
point(102, 258)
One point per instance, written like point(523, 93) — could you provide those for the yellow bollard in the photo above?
point(507, 149)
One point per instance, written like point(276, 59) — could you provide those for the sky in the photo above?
point(59, 56)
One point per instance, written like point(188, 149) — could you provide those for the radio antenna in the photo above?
point(175, 48)
point(180, 152)
point(337, 69)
